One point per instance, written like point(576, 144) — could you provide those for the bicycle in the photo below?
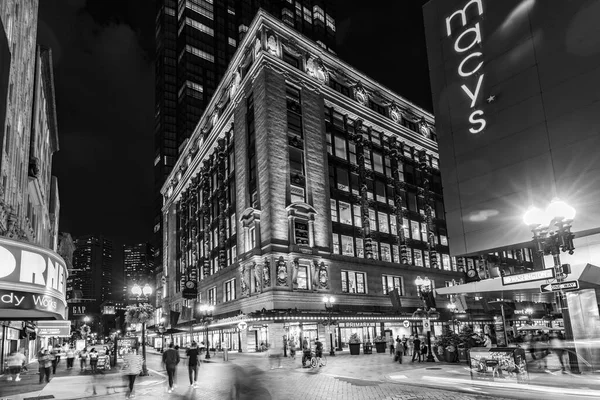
point(317, 361)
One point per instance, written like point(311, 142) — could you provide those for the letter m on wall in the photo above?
point(463, 15)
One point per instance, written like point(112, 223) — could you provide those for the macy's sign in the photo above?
point(25, 264)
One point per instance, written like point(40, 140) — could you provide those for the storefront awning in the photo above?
point(587, 275)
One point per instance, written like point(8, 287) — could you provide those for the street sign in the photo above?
point(556, 287)
point(426, 324)
point(540, 275)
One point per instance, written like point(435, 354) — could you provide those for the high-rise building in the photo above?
point(29, 201)
point(195, 40)
point(91, 277)
point(304, 178)
point(138, 267)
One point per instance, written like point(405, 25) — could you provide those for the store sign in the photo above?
point(77, 310)
point(356, 324)
point(406, 323)
point(467, 44)
point(54, 328)
point(540, 275)
point(242, 326)
point(32, 281)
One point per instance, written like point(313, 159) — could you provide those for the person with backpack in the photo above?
point(170, 359)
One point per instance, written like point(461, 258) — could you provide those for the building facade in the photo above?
point(29, 200)
point(304, 178)
point(514, 88)
point(195, 41)
point(91, 277)
point(138, 267)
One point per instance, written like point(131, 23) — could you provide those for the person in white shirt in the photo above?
point(15, 364)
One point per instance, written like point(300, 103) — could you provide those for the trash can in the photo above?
point(225, 354)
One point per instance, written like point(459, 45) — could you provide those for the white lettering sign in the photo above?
point(472, 63)
point(528, 277)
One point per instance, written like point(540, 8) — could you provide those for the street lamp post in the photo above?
point(552, 234)
point(207, 310)
point(145, 292)
point(328, 301)
point(424, 289)
point(86, 319)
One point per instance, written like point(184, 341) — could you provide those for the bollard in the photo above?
point(225, 354)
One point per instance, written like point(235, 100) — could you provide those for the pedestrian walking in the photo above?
point(45, 365)
point(193, 359)
point(391, 344)
point(93, 360)
point(83, 356)
point(423, 352)
point(70, 357)
point(40, 355)
point(417, 349)
point(404, 341)
point(558, 347)
point(293, 348)
point(55, 353)
point(15, 363)
point(305, 351)
point(132, 367)
point(411, 345)
point(170, 359)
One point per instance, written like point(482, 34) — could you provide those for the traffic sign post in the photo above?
point(557, 287)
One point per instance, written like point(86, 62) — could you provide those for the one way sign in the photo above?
point(556, 287)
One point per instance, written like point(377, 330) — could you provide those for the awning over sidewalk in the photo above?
point(587, 275)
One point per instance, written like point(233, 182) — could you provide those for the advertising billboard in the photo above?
point(515, 95)
point(32, 282)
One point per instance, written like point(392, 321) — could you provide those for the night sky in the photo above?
point(104, 77)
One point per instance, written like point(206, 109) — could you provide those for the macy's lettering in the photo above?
point(469, 65)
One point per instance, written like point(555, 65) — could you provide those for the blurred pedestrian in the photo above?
point(70, 357)
point(46, 361)
point(170, 359)
point(404, 342)
point(40, 355)
point(193, 360)
point(16, 361)
point(293, 348)
point(417, 349)
point(93, 360)
point(55, 360)
point(132, 367)
point(305, 351)
point(83, 356)
point(558, 347)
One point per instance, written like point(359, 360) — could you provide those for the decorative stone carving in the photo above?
point(360, 94)
point(295, 266)
point(316, 69)
point(257, 47)
point(272, 46)
point(282, 272)
point(423, 127)
point(266, 274)
point(258, 277)
point(313, 275)
point(323, 280)
point(244, 280)
point(395, 113)
point(235, 85)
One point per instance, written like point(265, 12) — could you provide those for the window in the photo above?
point(393, 229)
point(232, 41)
point(340, 147)
point(301, 232)
point(357, 216)
point(426, 259)
point(202, 54)
point(290, 59)
point(391, 282)
point(345, 213)
point(212, 296)
point(443, 240)
point(372, 220)
point(383, 222)
point(386, 253)
point(336, 243)
point(329, 145)
point(352, 148)
point(342, 179)
point(415, 230)
point(360, 248)
point(375, 247)
point(229, 290)
point(251, 238)
point(347, 246)
point(334, 213)
point(380, 191)
point(353, 282)
point(396, 253)
point(424, 232)
point(302, 279)
point(377, 162)
point(418, 257)
point(446, 262)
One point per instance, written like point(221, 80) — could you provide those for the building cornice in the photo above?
point(266, 35)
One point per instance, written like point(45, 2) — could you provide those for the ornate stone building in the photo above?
point(303, 178)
